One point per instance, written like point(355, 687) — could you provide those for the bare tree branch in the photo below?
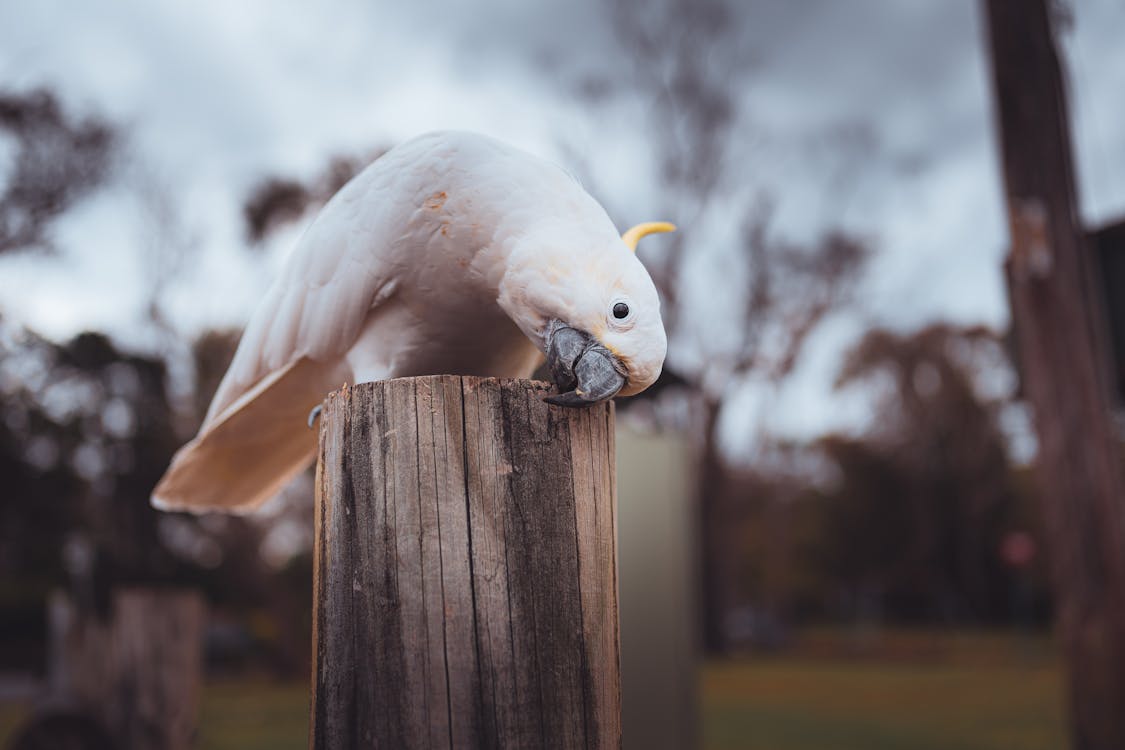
point(58, 161)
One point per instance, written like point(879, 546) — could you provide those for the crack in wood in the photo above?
point(514, 559)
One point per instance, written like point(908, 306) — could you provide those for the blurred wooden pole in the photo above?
point(714, 546)
point(659, 591)
point(139, 673)
point(1059, 324)
point(465, 578)
point(158, 648)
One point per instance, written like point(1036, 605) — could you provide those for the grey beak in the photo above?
point(584, 371)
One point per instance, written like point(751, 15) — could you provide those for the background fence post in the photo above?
point(136, 674)
point(465, 568)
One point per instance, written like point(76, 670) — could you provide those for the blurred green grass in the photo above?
point(785, 704)
point(876, 690)
point(835, 689)
point(245, 714)
point(241, 715)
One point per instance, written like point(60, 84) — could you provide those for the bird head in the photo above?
point(593, 310)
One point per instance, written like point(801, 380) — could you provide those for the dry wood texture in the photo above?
point(466, 579)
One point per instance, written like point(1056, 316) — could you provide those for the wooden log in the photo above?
point(138, 674)
point(158, 659)
point(465, 569)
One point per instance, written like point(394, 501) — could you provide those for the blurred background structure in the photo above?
point(892, 510)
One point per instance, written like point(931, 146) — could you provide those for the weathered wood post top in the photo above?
point(466, 575)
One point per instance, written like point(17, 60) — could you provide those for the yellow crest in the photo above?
point(633, 236)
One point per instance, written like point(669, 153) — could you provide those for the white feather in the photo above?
point(446, 255)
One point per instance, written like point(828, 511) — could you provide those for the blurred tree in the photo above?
point(774, 529)
point(86, 429)
point(906, 523)
point(682, 57)
point(85, 432)
point(58, 160)
point(276, 201)
point(922, 503)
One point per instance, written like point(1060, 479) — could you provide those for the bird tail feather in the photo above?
point(253, 448)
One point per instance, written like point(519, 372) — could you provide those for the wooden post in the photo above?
point(659, 578)
point(158, 648)
point(138, 674)
point(465, 579)
point(1061, 341)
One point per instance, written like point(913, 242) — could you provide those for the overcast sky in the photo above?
point(872, 115)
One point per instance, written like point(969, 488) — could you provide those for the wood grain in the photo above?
point(466, 569)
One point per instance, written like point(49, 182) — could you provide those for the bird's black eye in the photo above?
point(620, 311)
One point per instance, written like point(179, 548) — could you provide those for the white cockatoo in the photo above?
point(450, 254)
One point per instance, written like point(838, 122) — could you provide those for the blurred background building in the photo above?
point(831, 529)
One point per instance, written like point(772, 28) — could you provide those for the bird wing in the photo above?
point(318, 306)
point(254, 450)
point(253, 439)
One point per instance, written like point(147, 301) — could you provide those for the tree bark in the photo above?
point(1059, 324)
point(465, 569)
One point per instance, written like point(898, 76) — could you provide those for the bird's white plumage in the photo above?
point(447, 255)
